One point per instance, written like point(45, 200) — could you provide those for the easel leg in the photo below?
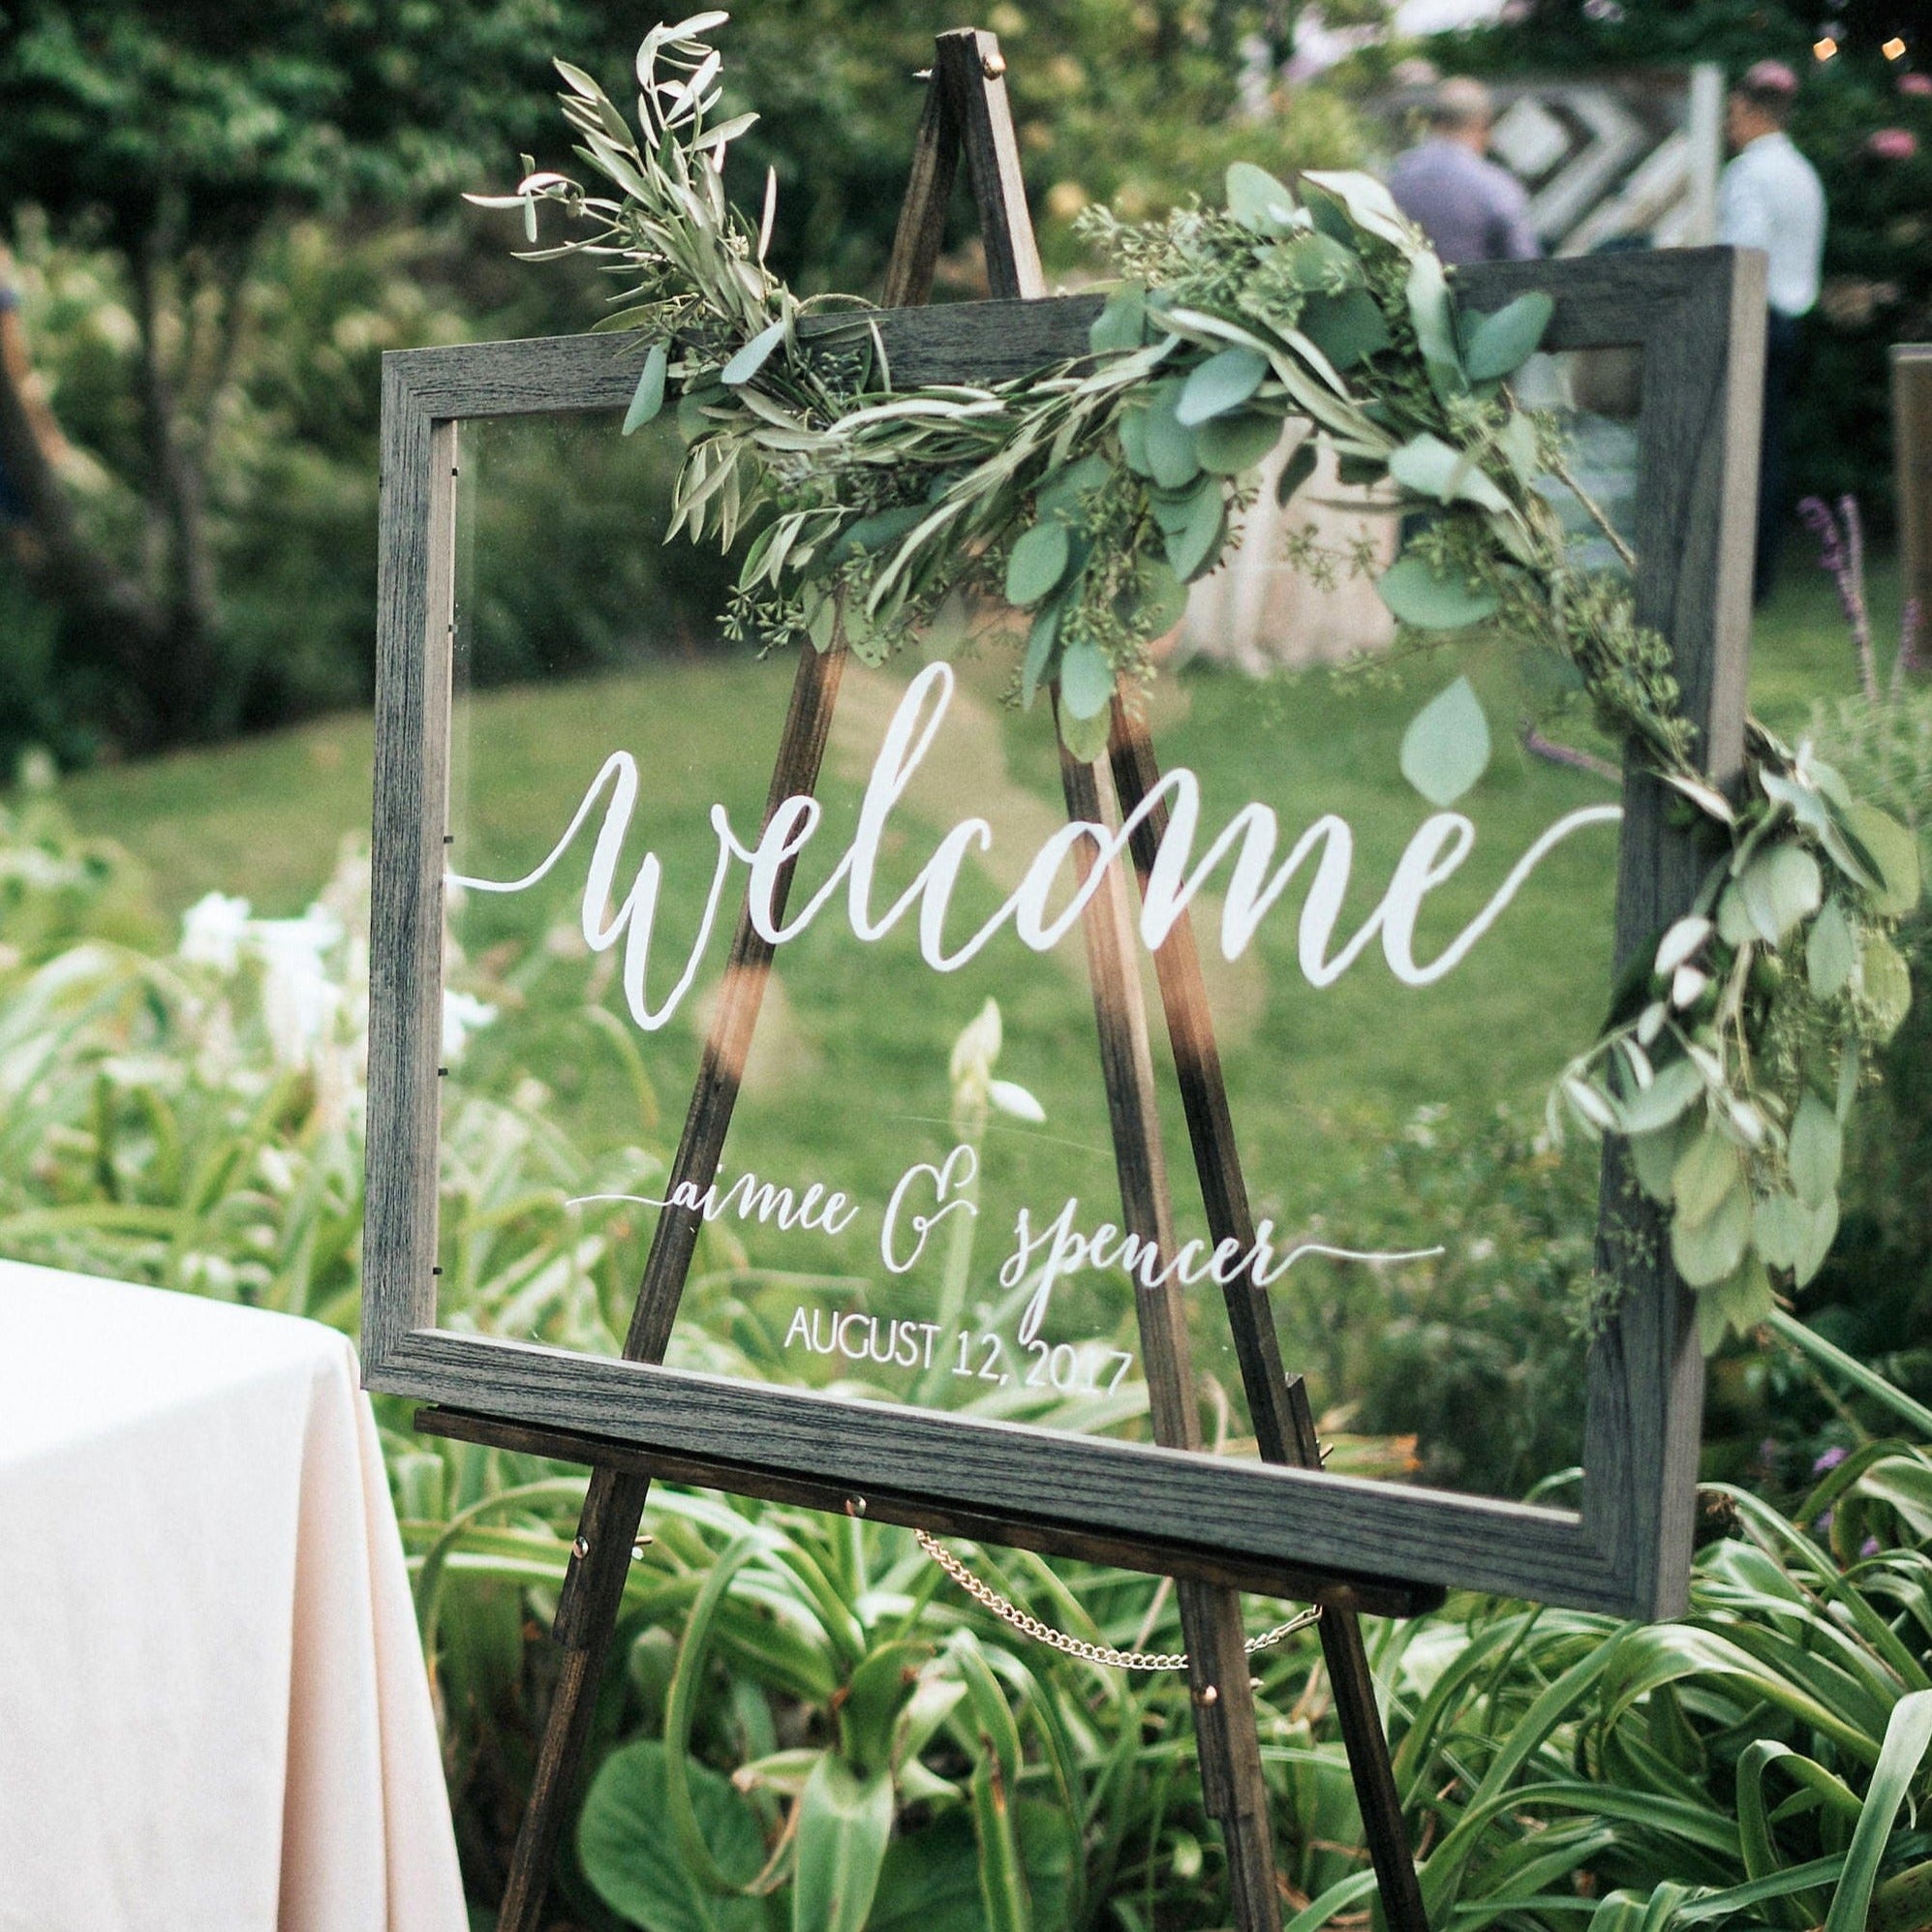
point(1210, 1619)
point(1285, 1424)
point(593, 1593)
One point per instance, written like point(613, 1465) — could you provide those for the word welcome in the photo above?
point(1255, 882)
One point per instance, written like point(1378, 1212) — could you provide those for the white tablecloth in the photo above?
point(213, 1713)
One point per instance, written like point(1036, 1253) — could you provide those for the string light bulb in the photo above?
point(1824, 48)
point(1894, 48)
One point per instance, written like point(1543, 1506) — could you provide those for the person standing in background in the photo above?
point(1470, 208)
point(1770, 197)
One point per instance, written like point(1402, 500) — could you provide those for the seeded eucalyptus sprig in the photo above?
point(1092, 493)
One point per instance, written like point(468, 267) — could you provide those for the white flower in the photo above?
point(1010, 1097)
point(463, 1013)
point(299, 1000)
point(212, 932)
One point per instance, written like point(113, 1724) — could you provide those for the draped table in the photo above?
point(213, 1710)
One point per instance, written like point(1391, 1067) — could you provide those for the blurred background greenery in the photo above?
point(221, 219)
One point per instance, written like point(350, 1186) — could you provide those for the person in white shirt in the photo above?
point(1770, 197)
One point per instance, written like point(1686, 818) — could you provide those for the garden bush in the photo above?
point(805, 1715)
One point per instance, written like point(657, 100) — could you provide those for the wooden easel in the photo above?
point(966, 112)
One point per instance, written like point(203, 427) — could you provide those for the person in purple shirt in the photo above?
point(1470, 208)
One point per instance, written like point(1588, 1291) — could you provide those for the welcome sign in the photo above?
point(849, 911)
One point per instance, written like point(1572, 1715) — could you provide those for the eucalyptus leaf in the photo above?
point(1086, 680)
point(1445, 747)
point(1037, 562)
point(1830, 951)
point(1496, 345)
point(1195, 547)
point(1163, 599)
point(1885, 983)
point(1171, 457)
point(1122, 323)
point(648, 398)
point(1654, 1156)
point(1061, 491)
point(1416, 595)
point(1816, 1151)
point(1348, 328)
point(1740, 1302)
point(1173, 510)
point(1735, 925)
point(1296, 471)
point(1708, 1171)
point(1709, 1250)
point(1677, 1086)
point(1781, 888)
point(1223, 382)
point(1778, 1225)
point(1257, 200)
point(753, 357)
point(1132, 429)
point(1231, 444)
point(1815, 1240)
point(1897, 852)
point(1040, 643)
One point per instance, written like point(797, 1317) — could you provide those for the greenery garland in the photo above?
point(1092, 493)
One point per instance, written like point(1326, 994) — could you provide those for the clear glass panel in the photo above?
point(918, 1193)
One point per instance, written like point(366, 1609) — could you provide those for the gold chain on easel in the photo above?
point(1029, 1625)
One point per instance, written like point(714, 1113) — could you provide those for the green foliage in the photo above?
point(1878, 255)
point(190, 1115)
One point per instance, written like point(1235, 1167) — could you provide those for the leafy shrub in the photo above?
point(824, 1730)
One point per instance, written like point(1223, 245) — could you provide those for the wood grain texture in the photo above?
point(1258, 1512)
point(415, 626)
point(1601, 301)
point(971, 69)
point(984, 1522)
point(1695, 523)
point(1277, 1401)
point(929, 193)
point(1210, 1619)
point(593, 1590)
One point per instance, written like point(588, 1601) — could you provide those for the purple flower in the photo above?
point(1910, 626)
point(1870, 1546)
point(1830, 1459)
point(1893, 143)
point(1915, 83)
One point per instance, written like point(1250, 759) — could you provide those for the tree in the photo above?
point(179, 139)
point(187, 144)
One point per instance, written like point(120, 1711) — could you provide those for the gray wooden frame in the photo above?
point(1699, 318)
